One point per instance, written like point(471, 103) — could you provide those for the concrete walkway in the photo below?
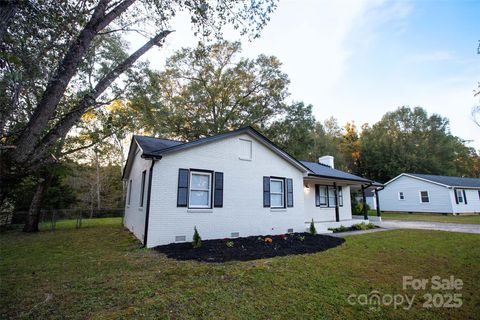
point(427, 225)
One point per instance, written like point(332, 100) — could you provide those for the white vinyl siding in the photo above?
point(439, 196)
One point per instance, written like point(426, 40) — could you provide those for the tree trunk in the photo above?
point(31, 224)
point(97, 164)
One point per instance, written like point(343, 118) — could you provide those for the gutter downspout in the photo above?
point(147, 212)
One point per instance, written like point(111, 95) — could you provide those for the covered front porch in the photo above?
point(328, 201)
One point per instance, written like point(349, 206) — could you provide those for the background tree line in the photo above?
point(72, 95)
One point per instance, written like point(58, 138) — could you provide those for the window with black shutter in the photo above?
point(182, 191)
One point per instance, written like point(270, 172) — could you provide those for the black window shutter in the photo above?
point(182, 192)
point(464, 197)
point(266, 191)
point(218, 194)
point(289, 193)
point(317, 195)
point(456, 195)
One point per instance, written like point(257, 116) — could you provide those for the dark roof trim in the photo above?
point(248, 130)
point(338, 178)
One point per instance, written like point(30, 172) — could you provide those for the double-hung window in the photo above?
point(401, 196)
point(129, 192)
point(200, 189)
point(142, 188)
point(459, 195)
point(322, 196)
point(277, 193)
point(424, 198)
point(332, 201)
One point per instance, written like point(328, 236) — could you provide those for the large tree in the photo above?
point(208, 90)
point(409, 140)
point(57, 64)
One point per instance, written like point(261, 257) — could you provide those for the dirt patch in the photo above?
point(250, 248)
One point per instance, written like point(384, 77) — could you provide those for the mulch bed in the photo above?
point(250, 248)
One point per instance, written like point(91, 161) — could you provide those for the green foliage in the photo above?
point(84, 280)
point(355, 227)
point(229, 244)
point(294, 132)
point(197, 240)
point(409, 140)
point(301, 238)
point(208, 90)
point(363, 226)
point(358, 208)
point(313, 231)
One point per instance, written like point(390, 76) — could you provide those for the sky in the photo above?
point(358, 59)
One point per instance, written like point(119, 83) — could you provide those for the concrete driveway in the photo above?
point(426, 225)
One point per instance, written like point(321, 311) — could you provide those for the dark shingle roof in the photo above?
point(151, 145)
point(450, 181)
point(327, 172)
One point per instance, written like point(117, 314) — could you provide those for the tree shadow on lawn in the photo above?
point(250, 248)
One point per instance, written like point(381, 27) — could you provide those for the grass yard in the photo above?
point(99, 272)
point(469, 219)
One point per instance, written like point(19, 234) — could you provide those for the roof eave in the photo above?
point(338, 178)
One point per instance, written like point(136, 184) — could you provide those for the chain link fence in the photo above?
point(49, 219)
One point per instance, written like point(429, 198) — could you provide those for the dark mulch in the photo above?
point(250, 248)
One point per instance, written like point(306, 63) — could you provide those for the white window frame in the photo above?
point(209, 190)
point(428, 196)
point(251, 149)
point(401, 196)
point(282, 193)
point(142, 189)
point(129, 198)
point(460, 196)
point(324, 197)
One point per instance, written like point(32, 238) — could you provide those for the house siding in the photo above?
point(440, 196)
point(242, 210)
point(473, 202)
point(134, 214)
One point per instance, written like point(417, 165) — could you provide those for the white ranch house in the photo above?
point(230, 185)
point(410, 192)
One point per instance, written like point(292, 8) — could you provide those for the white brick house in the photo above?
point(410, 192)
point(233, 184)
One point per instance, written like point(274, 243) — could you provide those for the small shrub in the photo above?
point(268, 240)
point(313, 231)
point(301, 238)
point(229, 244)
point(358, 209)
point(197, 240)
point(363, 226)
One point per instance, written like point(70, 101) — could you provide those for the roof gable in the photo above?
point(445, 181)
point(450, 181)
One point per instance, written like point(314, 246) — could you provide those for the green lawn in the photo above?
point(99, 272)
point(470, 219)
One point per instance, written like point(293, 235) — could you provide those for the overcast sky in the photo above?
point(356, 60)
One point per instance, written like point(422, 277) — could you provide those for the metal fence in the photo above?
point(50, 217)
